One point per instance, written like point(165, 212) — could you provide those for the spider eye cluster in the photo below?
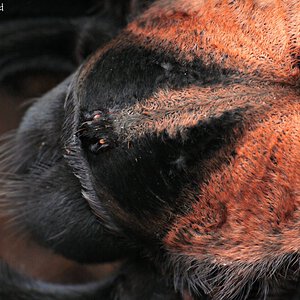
point(96, 131)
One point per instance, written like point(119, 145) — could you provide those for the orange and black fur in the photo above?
point(176, 147)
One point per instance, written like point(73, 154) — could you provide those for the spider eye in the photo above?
point(97, 116)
